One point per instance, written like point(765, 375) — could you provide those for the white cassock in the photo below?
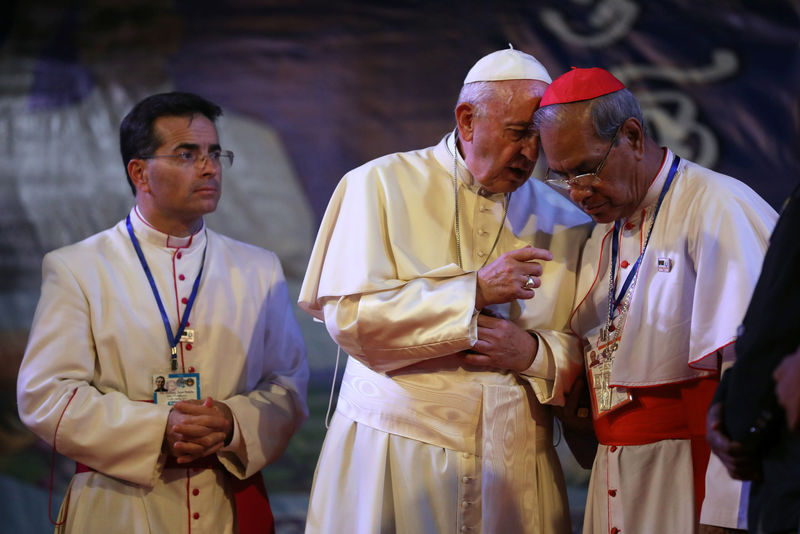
point(444, 447)
point(693, 287)
point(97, 341)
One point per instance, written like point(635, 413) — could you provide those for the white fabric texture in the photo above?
point(371, 467)
point(652, 489)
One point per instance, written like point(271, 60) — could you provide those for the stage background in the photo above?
point(310, 90)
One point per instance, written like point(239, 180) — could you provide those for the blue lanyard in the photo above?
point(173, 340)
point(615, 244)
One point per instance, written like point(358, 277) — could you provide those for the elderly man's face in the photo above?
point(501, 149)
point(572, 148)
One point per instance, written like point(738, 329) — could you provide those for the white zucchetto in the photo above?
point(508, 64)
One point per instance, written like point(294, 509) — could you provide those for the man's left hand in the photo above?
point(787, 388)
point(503, 345)
point(740, 463)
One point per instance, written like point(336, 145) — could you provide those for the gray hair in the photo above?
point(607, 112)
point(478, 94)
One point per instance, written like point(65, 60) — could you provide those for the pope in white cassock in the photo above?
point(448, 275)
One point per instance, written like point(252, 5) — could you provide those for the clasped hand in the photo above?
point(197, 428)
point(502, 345)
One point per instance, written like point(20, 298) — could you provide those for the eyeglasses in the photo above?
point(218, 158)
point(587, 179)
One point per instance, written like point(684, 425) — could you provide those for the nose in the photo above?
point(579, 194)
point(206, 166)
point(531, 148)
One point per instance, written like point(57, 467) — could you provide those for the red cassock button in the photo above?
point(195, 491)
point(184, 300)
point(181, 277)
point(188, 346)
point(191, 370)
point(615, 530)
point(613, 493)
point(612, 448)
point(196, 515)
point(629, 226)
point(624, 264)
point(178, 255)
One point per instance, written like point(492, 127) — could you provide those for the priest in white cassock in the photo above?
point(161, 302)
point(664, 282)
point(447, 275)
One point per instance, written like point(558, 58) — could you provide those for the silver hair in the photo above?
point(478, 94)
point(607, 112)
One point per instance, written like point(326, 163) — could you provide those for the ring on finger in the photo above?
point(529, 283)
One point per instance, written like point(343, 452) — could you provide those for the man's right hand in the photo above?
point(505, 278)
point(740, 463)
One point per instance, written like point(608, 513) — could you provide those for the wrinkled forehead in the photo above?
point(515, 100)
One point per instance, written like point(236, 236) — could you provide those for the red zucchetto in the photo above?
point(580, 84)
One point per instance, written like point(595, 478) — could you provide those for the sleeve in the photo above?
point(274, 406)
point(58, 400)
point(352, 283)
point(727, 249)
point(558, 363)
point(559, 360)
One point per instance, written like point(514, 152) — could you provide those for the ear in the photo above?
point(465, 119)
point(633, 131)
point(137, 170)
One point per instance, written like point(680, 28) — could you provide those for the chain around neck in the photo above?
point(506, 202)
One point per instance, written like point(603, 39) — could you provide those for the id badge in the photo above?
point(173, 387)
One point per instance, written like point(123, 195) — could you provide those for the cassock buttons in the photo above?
point(615, 530)
point(188, 346)
point(191, 370)
point(179, 255)
point(629, 226)
point(624, 264)
point(184, 300)
point(612, 448)
point(196, 515)
point(195, 491)
point(181, 277)
point(612, 492)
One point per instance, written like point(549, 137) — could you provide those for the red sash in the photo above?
point(253, 511)
point(671, 411)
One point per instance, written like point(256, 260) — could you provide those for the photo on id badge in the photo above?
point(169, 388)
